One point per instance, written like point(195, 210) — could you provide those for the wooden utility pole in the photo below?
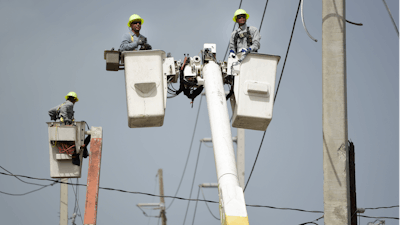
point(162, 201)
point(334, 114)
point(93, 179)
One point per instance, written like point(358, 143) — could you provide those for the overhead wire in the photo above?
point(29, 191)
point(207, 204)
point(313, 222)
point(380, 217)
point(195, 208)
point(263, 15)
point(11, 174)
point(76, 207)
point(194, 177)
point(190, 149)
point(186, 199)
point(227, 47)
point(391, 17)
point(276, 92)
point(165, 196)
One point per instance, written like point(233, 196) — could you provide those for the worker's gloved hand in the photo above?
point(232, 54)
point(62, 120)
point(246, 51)
point(147, 46)
point(142, 40)
point(68, 122)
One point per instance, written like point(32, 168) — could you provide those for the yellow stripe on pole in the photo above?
point(236, 220)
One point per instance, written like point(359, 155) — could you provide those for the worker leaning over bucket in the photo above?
point(245, 39)
point(133, 39)
point(65, 111)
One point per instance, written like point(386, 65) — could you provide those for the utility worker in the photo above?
point(132, 40)
point(65, 111)
point(245, 39)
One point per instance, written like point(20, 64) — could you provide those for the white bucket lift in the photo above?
point(61, 163)
point(146, 86)
point(254, 91)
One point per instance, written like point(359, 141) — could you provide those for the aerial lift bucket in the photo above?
point(146, 87)
point(254, 90)
point(63, 141)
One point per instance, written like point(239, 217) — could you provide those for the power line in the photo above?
point(23, 180)
point(391, 17)
point(276, 93)
point(194, 177)
point(190, 149)
point(227, 47)
point(195, 208)
point(313, 222)
point(165, 196)
point(259, 30)
point(29, 191)
point(207, 205)
point(381, 217)
point(384, 207)
point(77, 200)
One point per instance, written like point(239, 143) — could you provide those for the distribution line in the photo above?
point(207, 205)
point(259, 30)
point(190, 149)
point(195, 208)
point(165, 196)
point(186, 199)
point(227, 47)
point(276, 93)
point(194, 177)
point(380, 217)
point(77, 200)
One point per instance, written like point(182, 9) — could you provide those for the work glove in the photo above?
point(142, 40)
point(62, 119)
point(146, 46)
point(246, 51)
point(232, 54)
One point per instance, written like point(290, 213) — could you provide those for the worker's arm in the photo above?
point(256, 39)
point(127, 44)
point(232, 43)
point(53, 113)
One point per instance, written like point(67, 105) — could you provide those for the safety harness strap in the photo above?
point(243, 35)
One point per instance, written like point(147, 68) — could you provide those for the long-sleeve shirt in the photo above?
point(242, 42)
point(65, 110)
point(129, 41)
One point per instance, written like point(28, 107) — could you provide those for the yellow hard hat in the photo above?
point(72, 94)
point(240, 12)
point(134, 17)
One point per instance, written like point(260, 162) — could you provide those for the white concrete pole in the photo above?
point(232, 204)
point(334, 114)
point(240, 156)
point(64, 202)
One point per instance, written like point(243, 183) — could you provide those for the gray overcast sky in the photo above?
point(49, 48)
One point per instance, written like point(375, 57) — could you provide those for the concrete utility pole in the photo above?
point(93, 179)
point(334, 114)
point(240, 156)
point(162, 201)
point(232, 204)
point(64, 202)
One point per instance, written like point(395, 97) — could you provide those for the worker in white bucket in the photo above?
point(64, 113)
point(245, 39)
point(132, 40)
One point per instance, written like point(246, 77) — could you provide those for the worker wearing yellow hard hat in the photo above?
point(64, 113)
point(246, 38)
point(134, 40)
